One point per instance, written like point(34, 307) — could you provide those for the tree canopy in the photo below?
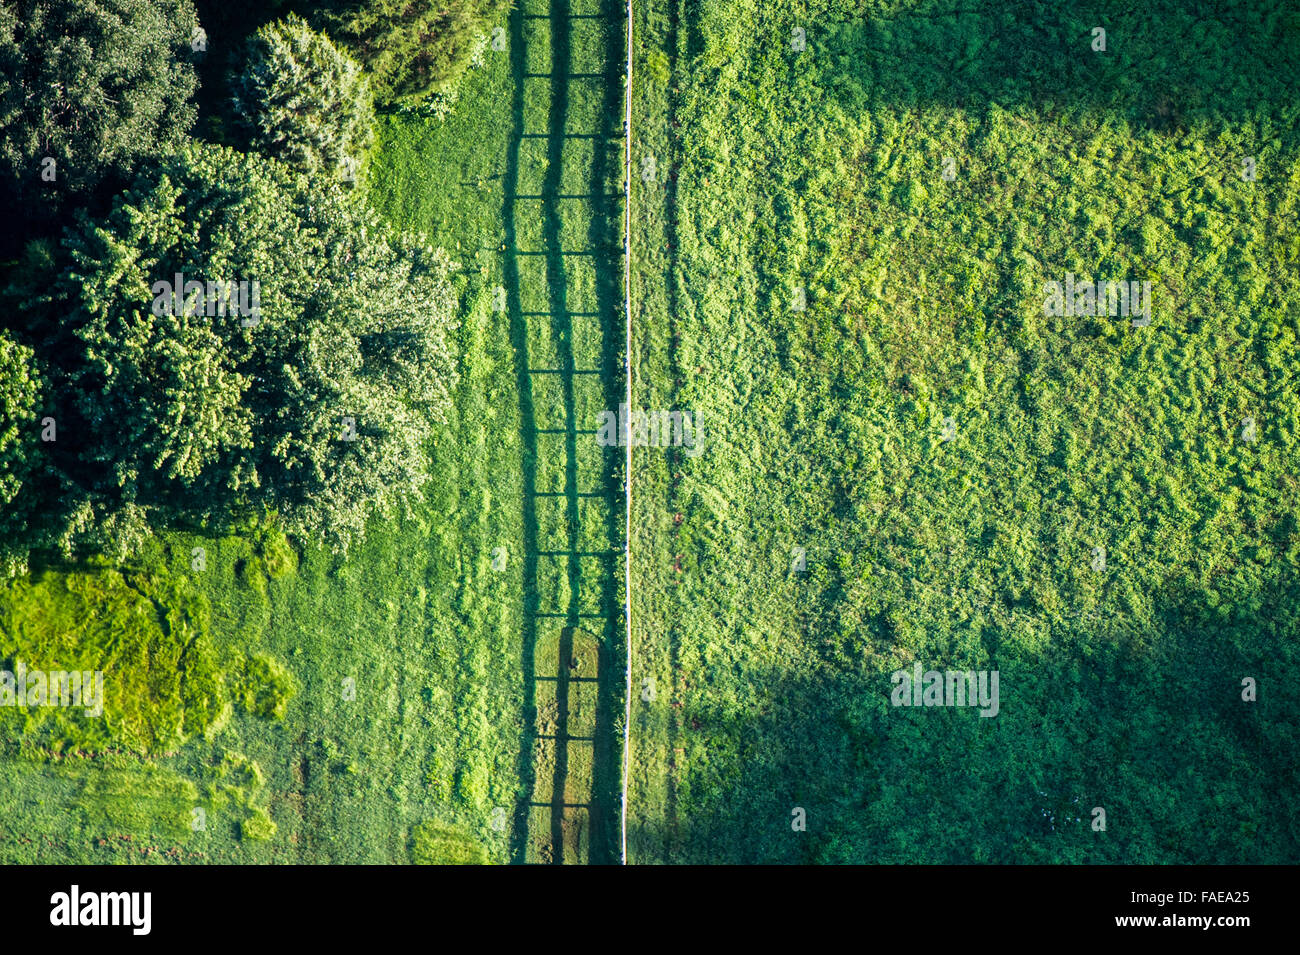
point(93, 86)
point(410, 47)
point(299, 368)
point(299, 98)
point(21, 390)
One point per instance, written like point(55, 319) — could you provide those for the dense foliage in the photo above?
point(20, 394)
point(313, 399)
point(301, 100)
point(163, 682)
point(93, 85)
point(415, 617)
point(410, 47)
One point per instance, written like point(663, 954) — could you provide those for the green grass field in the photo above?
point(867, 343)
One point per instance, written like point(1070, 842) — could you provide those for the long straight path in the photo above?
point(563, 274)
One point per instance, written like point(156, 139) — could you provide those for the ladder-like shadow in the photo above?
point(585, 830)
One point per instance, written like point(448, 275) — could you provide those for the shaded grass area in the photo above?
point(561, 271)
point(951, 459)
point(115, 812)
point(403, 658)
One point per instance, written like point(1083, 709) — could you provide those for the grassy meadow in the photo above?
point(842, 269)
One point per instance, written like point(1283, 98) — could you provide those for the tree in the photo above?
point(250, 340)
point(21, 391)
point(87, 87)
point(299, 99)
point(410, 47)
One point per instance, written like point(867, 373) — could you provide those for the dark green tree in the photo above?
point(410, 47)
point(21, 391)
point(88, 87)
point(250, 342)
point(298, 98)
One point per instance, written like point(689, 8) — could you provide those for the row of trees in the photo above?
point(89, 89)
point(136, 385)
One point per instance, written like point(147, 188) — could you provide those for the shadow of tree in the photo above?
point(1042, 54)
point(1186, 771)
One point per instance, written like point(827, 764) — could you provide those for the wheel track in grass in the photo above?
point(658, 746)
point(562, 269)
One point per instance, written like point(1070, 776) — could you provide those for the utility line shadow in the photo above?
point(545, 759)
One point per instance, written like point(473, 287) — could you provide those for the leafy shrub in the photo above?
point(437, 105)
point(436, 844)
point(263, 686)
point(20, 392)
point(300, 99)
point(258, 827)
